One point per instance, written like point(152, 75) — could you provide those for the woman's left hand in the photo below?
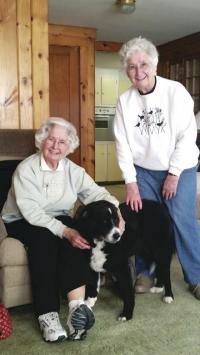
point(170, 186)
point(75, 238)
point(121, 222)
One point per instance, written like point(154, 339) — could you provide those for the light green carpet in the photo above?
point(156, 329)
point(118, 191)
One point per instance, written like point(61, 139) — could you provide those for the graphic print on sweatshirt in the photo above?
point(151, 122)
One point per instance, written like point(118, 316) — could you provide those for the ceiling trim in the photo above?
point(107, 46)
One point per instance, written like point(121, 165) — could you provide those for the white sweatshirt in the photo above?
point(39, 194)
point(156, 131)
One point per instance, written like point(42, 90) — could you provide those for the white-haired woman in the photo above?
point(44, 189)
point(155, 132)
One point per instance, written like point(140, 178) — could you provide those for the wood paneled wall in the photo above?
point(177, 50)
point(180, 48)
point(24, 72)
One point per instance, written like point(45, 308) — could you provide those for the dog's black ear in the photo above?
point(84, 214)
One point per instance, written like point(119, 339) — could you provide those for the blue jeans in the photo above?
point(182, 209)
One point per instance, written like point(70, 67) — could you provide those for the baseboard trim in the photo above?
point(103, 183)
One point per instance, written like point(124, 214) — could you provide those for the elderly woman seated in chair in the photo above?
point(44, 189)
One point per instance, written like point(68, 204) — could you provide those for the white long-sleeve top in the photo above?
point(39, 194)
point(156, 131)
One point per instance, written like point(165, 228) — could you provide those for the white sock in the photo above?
point(75, 303)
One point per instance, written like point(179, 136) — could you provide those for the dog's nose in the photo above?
point(116, 236)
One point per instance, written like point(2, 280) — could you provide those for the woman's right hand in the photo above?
point(74, 237)
point(133, 196)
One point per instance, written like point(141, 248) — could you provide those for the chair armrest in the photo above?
point(3, 232)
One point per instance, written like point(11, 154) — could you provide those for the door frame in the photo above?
point(84, 38)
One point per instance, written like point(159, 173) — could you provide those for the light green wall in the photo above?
point(109, 60)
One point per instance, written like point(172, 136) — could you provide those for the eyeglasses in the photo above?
point(54, 141)
point(141, 66)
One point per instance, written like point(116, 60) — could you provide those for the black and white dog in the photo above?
point(148, 233)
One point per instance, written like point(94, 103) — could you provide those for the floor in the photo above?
point(118, 191)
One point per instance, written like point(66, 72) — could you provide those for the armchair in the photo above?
point(15, 286)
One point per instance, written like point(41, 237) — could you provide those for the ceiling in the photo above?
point(159, 20)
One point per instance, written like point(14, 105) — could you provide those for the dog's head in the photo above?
point(99, 221)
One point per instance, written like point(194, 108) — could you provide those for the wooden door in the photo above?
point(64, 87)
point(80, 41)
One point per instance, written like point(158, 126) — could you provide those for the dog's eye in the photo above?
point(106, 222)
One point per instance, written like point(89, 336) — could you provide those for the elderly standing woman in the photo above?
point(155, 133)
point(44, 190)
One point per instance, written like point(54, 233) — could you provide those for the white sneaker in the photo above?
point(51, 327)
point(80, 319)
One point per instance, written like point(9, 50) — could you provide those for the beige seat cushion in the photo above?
point(12, 252)
point(14, 276)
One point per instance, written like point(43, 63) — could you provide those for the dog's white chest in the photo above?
point(98, 257)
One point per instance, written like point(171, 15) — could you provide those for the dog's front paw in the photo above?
point(122, 319)
point(168, 299)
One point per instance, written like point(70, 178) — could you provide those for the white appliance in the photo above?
point(104, 117)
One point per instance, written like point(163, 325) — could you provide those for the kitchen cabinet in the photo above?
point(106, 89)
point(109, 84)
point(97, 90)
point(113, 170)
point(106, 165)
point(100, 162)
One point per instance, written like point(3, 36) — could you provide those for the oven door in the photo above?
point(104, 128)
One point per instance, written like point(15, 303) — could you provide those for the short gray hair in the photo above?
point(138, 44)
point(43, 132)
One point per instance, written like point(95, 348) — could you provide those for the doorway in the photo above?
point(71, 75)
point(64, 88)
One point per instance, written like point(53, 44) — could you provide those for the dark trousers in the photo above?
point(56, 267)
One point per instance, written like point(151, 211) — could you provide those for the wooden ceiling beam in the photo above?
point(107, 46)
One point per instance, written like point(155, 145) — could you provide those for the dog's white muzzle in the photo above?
point(114, 236)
